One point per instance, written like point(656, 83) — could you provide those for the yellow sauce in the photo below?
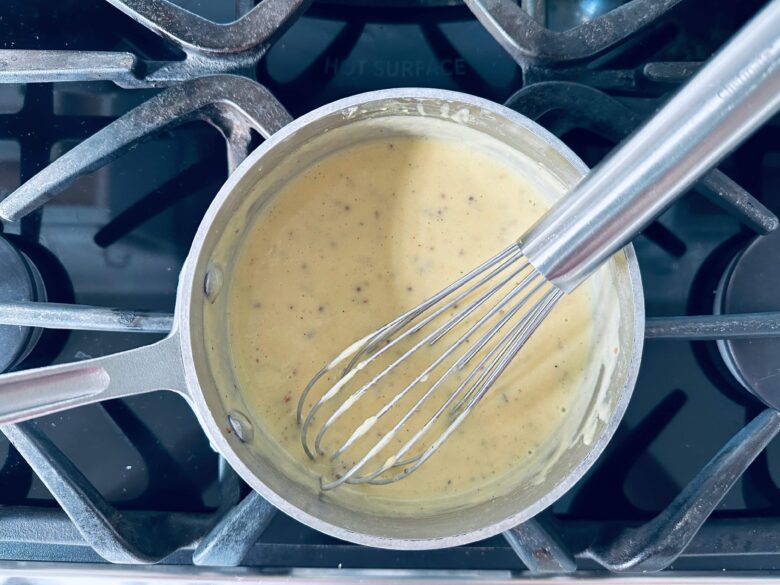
point(358, 238)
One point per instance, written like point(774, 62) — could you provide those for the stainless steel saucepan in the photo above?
point(195, 362)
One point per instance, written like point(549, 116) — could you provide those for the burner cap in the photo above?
point(751, 284)
point(19, 281)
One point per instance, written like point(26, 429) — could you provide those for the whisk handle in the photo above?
point(734, 93)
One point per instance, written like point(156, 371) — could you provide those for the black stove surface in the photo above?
point(118, 236)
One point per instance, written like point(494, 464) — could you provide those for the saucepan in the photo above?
point(194, 360)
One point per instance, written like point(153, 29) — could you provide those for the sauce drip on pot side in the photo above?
point(362, 236)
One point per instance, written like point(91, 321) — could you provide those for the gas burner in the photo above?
point(749, 285)
point(21, 282)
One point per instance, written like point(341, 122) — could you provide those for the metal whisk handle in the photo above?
point(735, 92)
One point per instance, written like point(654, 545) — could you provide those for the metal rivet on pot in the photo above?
point(241, 426)
point(212, 284)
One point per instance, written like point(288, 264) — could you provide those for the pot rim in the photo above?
point(213, 428)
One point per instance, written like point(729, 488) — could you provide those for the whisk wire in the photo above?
point(395, 460)
point(499, 288)
point(458, 363)
point(430, 339)
point(388, 436)
point(417, 311)
point(496, 368)
point(520, 334)
point(375, 338)
point(353, 368)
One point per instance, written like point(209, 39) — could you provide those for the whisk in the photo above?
point(481, 321)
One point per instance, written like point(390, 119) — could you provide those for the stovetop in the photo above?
point(84, 485)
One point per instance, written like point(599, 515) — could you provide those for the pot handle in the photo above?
point(32, 393)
